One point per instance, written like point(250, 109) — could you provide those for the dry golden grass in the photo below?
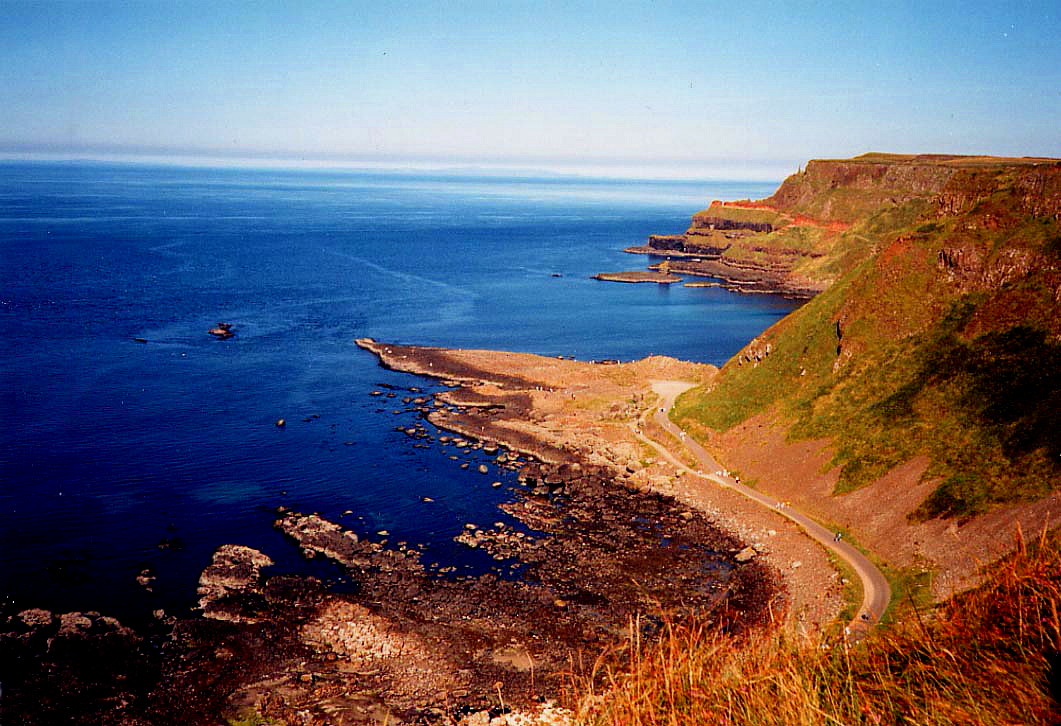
point(987, 657)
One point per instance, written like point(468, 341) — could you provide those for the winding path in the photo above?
point(876, 593)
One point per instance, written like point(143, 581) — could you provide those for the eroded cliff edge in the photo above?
point(911, 399)
point(835, 213)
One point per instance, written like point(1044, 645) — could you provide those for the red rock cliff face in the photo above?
point(831, 197)
point(844, 191)
point(1029, 191)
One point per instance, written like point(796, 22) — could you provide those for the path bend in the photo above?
point(876, 592)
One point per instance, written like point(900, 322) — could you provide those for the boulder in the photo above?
point(745, 555)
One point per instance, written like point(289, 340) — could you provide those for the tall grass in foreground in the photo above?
point(990, 656)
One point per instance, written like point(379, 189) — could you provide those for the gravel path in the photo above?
point(876, 592)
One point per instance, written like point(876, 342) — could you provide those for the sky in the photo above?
point(677, 89)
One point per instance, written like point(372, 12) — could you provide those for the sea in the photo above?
point(134, 443)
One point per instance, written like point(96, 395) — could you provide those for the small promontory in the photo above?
point(832, 213)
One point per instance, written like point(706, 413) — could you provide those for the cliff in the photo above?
point(834, 213)
point(916, 393)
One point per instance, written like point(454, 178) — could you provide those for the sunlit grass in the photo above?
point(985, 657)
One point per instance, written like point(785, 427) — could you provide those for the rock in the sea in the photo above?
point(73, 623)
point(35, 617)
point(146, 580)
point(223, 586)
point(317, 536)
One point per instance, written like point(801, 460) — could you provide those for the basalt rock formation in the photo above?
point(924, 371)
point(831, 214)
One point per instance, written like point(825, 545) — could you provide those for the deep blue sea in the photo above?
point(109, 447)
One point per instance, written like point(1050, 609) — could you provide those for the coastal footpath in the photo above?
point(909, 402)
point(569, 411)
point(908, 409)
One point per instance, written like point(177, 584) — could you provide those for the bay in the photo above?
point(118, 456)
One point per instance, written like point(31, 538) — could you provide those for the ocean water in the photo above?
point(110, 447)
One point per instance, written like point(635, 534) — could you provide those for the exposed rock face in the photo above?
point(230, 588)
point(705, 221)
point(754, 352)
point(666, 241)
point(798, 240)
point(931, 369)
point(891, 180)
point(962, 265)
point(1033, 190)
point(968, 269)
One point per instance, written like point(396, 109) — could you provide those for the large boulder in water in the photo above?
point(230, 588)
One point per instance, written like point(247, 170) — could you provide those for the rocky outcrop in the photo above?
point(869, 182)
point(657, 278)
point(667, 242)
point(320, 538)
point(755, 352)
point(1029, 190)
point(967, 268)
point(77, 667)
point(705, 221)
point(947, 319)
point(954, 183)
point(797, 241)
point(230, 587)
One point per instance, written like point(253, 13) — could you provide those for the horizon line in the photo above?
point(751, 170)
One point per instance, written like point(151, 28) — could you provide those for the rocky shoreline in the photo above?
point(747, 279)
point(599, 554)
point(651, 276)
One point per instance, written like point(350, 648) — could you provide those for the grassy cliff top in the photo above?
point(948, 160)
point(940, 337)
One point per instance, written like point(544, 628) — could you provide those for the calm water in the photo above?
point(109, 446)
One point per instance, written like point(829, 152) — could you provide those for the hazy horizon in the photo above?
point(628, 89)
point(752, 171)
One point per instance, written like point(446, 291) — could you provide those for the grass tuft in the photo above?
point(987, 657)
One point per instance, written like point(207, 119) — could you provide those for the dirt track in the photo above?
point(569, 408)
point(876, 592)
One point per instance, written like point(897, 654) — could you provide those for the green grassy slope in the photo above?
point(941, 337)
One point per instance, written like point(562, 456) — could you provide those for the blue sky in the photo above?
point(738, 89)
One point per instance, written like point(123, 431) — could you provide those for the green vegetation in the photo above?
point(736, 214)
point(941, 338)
point(851, 588)
point(986, 657)
point(803, 351)
point(911, 592)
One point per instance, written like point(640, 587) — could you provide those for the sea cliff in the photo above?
point(835, 213)
point(908, 400)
